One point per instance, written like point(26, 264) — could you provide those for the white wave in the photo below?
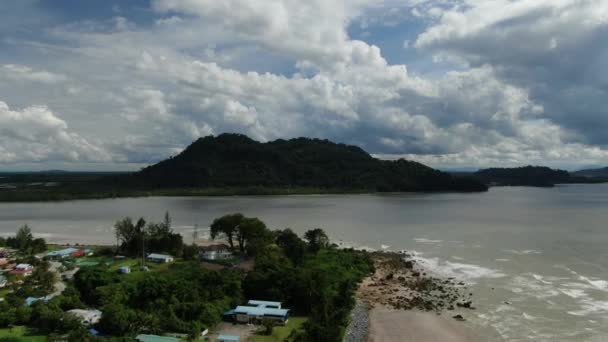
point(457, 258)
point(385, 247)
point(523, 251)
point(503, 260)
point(598, 284)
point(591, 306)
point(424, 240)
point(458, 270)
point(574, 293)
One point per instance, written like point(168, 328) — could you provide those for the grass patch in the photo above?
point(23, 333)
point(280, 333)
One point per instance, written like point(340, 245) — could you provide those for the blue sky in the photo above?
point(455, 84)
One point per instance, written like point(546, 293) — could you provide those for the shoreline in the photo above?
point(405, 304)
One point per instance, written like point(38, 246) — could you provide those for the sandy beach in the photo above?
point(404, 304)
point(388, 325)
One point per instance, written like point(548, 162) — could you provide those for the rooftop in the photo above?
point(62, 252)
point(260, 311)
point(155, 338)
point(263, 303)
point(159, 256)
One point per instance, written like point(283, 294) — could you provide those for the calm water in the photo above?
point(543, 251)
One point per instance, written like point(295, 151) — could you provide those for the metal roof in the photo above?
point(229, 338)
point(159, 256)
point(260, 311)
point(155, 338)
point(62, 252)
point(264, 303)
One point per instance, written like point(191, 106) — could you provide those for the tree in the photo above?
point(190, 252)
point(226, 226)
point(293, 247)
point(252, 230)
point(24, 238)
point(38, 246)
point(317, 239)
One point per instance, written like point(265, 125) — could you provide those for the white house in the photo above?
point(159, 258)
point(3, 281)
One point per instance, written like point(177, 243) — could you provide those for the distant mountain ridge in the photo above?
point(599, 172)
point(540, 176)
point(237, 161)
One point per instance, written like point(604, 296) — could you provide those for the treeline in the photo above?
point(309, 275)
point(24, 242)
point(539, 176)
point(135, 238)
point(236, 161)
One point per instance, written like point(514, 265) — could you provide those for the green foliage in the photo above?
point(25, 243)
point(528, 176)
point(234, 160)
point(293, 247)
point(168, 301)
point(320, 283)
point(226, 226)
point(250, 233)
point(154, 237)
point(190, 252)
point(317, 239)
point(88, 280)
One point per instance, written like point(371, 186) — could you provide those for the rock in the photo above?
point(400, 278)
point(466, 304)
point(459, 318)
point(507, 302)
point(389, 276)
point(416, 274)
point(409, 264)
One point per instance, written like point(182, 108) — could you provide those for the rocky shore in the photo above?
point(399, 285)
point(358, 328)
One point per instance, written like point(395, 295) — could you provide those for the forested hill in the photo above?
point(236, 161)
point(591, 173)
point(527, 176)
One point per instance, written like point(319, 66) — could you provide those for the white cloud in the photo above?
point(18, 72)
point(286, 68)
point(35, 134)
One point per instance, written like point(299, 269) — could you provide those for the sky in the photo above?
point(455, 84)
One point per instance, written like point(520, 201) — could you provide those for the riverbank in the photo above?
point(406, 304)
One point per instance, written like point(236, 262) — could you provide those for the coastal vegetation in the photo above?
point(312, 278)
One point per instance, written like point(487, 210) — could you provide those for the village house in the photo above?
point(228, 338)
point(216, 252)
point(159, 258)
point(62, 253)
point(3, 281)
point(257, 310)
point(23, 269)
point(155, 338)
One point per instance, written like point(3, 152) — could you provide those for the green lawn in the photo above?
point(22, 333)
point(280, 333)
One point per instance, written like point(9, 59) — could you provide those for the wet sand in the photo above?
point(389, 325)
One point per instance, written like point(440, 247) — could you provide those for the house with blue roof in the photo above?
point(62, 253)
point(228, 338)
point(257, 310)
